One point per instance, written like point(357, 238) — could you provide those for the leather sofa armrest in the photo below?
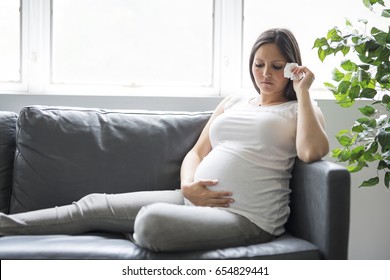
point(320, 206)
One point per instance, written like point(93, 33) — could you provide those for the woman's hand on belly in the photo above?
point(199, 194)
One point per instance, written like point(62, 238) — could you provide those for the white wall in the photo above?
point(370, 207)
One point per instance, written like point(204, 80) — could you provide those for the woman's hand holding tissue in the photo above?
point(301, 76)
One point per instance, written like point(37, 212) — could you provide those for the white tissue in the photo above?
point(288, 71)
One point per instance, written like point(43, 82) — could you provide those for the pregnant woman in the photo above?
point(234, 181)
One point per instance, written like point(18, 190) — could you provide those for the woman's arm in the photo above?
point(198, 192)
point(311, 140)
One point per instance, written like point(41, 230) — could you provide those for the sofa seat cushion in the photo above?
point(85, 246)
point(284, 247)
point(112, 246)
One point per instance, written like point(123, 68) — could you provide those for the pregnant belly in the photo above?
point(260, 193)
point(234, 174)
point(242, 178)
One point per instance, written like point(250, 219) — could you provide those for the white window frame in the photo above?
point(18, 85)
point(38, 45)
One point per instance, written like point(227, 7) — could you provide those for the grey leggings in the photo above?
point(158, 219)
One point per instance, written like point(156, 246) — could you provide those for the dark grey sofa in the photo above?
point(50, 156)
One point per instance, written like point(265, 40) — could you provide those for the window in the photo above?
point(10, 58)
point(132, 43)
point(154, 47)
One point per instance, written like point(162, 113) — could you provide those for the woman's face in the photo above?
point(268, 70)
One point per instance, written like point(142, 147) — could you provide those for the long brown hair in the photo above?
point(288, 46)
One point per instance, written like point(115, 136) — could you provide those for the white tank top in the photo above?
point(253, 152)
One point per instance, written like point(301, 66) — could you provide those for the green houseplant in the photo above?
point(364, 73)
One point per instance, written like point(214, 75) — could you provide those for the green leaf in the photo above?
point(379, 35)
point(387, 179)
point(348, 65)
point(331, 87)
point(367, 3)
point(362, 120)
point(342, 132)
point(363, 77)
point(349, 77)
point(382, 165)
point(358, 128)
point(367, 122)
point(382, 55)
point(386, 99)
point(335, 152)
point(320, 42)
point(372, 45)
point(345, 50)
point(361, 49)
point(386, 13)
point(384, 139)
point(324, 51)
point(371, 182)
point(321, 54)
point(337, 75)
point(365, 58)
point(367, 110)
point(368, 93)
point(330, 33)
point(364, 67)
point(356, 153)
point(344, 102)
point(355, 168)
point(371, 157)
point(333, 35)
point(348, 23)
point(372, 123)
point(372, 147)
point(383, 74)
point(344, 86)
point(344, 140)
point(344, 155)
point(354, 92)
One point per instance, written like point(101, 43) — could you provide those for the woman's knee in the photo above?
point(154, 226)
point(91, 203)
point(92, 197)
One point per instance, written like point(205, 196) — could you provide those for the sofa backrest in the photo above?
point(65, 153)
point(7, 153)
